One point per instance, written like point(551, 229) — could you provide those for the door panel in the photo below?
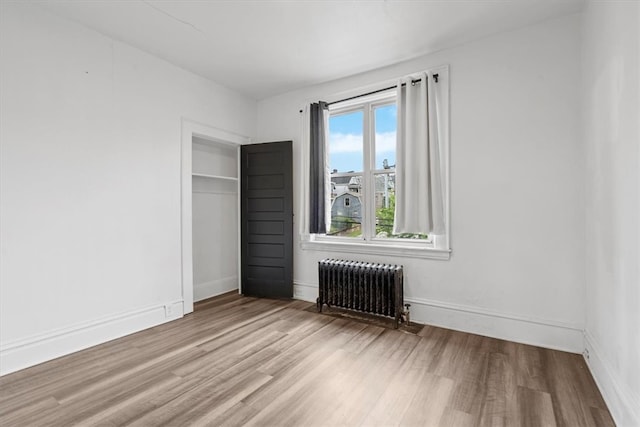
point(261, 250)
point(266, 205)
point(267, 219)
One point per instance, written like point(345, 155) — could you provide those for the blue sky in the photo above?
point(345, 139)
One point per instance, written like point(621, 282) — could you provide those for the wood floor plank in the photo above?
point(302, 357)
point(129, 408)
point(571, 402)
point(602, 417)
point(327, 337)
point(531, 367)
point(23, 414)
point(289, 395)
point(248, 361)
point(237, 415)
point(206, 401)
point(356, 398)
point(501, 393)
point(535, 408)
point(321, 393)
point(369, 379)
point(454, 418)
point(429, 402)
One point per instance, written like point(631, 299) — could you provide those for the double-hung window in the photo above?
point(360, 151)
point(362, 164)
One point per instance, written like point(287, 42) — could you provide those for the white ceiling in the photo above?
point(263, 48)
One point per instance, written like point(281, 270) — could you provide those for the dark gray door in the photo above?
point(267, 219)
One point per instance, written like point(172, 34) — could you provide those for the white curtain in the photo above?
point(419, 181)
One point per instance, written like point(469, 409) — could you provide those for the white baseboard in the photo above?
point(506, 326)
point(526, 330)
point(33, 350)
point(214, 288)
point(305, 291)
point(623, 405)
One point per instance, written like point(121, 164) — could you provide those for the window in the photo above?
point(361, 186)
point(362, 160)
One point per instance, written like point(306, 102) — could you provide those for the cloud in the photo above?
point(352, 143)
point(345, 143)
point(385, 142)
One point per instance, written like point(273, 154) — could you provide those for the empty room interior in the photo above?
point(340, 213)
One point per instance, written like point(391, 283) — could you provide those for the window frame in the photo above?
point(368, 106)
point(436, 246)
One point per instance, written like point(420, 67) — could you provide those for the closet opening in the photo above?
point(214, 207)
point(210, 212)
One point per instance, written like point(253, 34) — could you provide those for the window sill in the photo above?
point(377, 249)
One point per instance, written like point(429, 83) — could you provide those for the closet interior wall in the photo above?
point(215, 218)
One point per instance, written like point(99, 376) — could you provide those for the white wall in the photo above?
point(90, 183)
point(215, 219)
point(517, 186)
point(612, 136)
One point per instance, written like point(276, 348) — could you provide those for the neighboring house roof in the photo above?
point(345, 194)
point(340, 179)
point(351, 184)
point(355, 182)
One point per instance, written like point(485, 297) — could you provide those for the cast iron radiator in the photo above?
point(361, 286)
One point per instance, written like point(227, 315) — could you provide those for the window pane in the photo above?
point(345, 142)
point(346, 161)
point(346, 205)
point(385, 203)
point(385, 134)
point(385, 199)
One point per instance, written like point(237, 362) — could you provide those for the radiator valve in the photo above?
point(405, 314)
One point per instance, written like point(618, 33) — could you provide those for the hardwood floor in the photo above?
point(256, 362)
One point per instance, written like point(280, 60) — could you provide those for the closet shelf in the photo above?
point(203, 175)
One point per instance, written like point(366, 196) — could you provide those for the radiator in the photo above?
point(360, 286)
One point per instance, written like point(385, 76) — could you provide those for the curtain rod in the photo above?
point(435, 78)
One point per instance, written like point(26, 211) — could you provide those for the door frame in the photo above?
point(189, 129)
